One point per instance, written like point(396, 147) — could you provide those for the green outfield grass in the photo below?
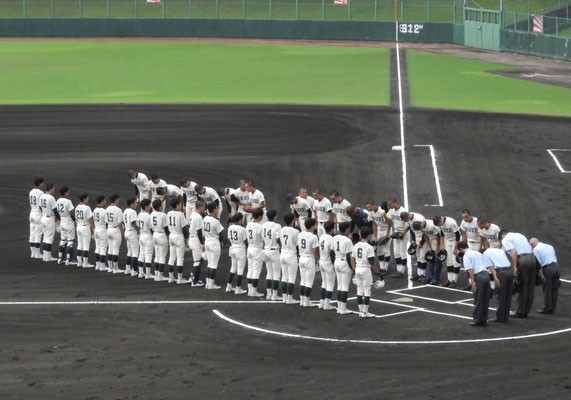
point(147, 72)
point(447, 82)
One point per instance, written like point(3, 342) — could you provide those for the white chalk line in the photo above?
point(557, 163)
point(132, 302)
point(384, 342)
point(436, 176)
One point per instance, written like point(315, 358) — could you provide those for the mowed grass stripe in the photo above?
point(169, 72)
point(439, 81)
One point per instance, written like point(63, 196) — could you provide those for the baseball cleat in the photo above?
point(292, 301)
point(328, 307)
point(239, 290)
point(256, 294)
point(197, 284)
point(229, 289)
point(276, 298)
point(344, 312)
point(446, 284)
point(50, 259)
point(88, 266)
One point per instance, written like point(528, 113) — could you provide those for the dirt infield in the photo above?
point(495, 164)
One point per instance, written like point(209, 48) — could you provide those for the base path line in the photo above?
point(436, 176)
point(445, 314)
point(383, 342)
point(557, 163)
point(397, 313)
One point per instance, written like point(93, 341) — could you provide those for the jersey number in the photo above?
point(172, 221)
point(360, 253)
point(79, 214)
point(207, 227)
point(303, 244)
point(268, 233)
point(286, 237)
point(251, 235)
point(234, 235)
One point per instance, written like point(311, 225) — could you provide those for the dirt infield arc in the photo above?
point(496, 165)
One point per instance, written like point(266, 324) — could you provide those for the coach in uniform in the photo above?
point(523, 264)
point(549, 273)
point(478, 275)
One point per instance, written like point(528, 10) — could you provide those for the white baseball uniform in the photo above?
point(243, 197)
point(141, 182)
point(325, 263)
point(301, 208)
point(145, 238)
point(306, 242)
point(379, 218)
point(288, 256)
point(399, 245)
point(212, 229)
point(152, 187)
point(65, 209)
point(114, 217)
point(449, 229)
point(491, 235)
point(176, 222)
point(191, 197)
point(160, 240)
point(271, 252)
point(342, 246)
point(254, 232)
point(322, 210)
point(131, 234)
point(100, 235)
point(194, 242)
point(362, 251)
point(472, 232)
point(237, 236)
point(35, 218)
point(82, 215)
point(339, 209)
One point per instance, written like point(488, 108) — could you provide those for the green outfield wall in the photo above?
point(228, 28)
point(537, 45)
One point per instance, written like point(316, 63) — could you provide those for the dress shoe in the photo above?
point(544, 311)
point(477, 323)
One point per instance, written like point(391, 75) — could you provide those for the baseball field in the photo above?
point(484, 131)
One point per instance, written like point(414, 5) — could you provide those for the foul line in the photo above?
point(127, 302)
point(436, 177)
point(563, 170)
point(383, 342)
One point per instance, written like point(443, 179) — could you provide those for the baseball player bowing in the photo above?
point(238, 238)
point(308, 246)
point(381, 232)
point(399, 235)
point(300, 208)
point(362, 260)
point(451, 232)
point(213, 238)
point(288, 258)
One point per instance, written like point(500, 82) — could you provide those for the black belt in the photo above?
point(553, 264)
point(503, 268)
point(483, 272)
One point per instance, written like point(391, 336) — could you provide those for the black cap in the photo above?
point(462, 245)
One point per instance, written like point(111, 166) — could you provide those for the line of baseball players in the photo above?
point(151, 231)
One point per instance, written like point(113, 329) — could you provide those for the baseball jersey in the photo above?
point(256, 199)
point(228, 196)
point(243, 196)
point(491, 234)
point(306, 242)
point(129, 216)
point(322, 209)
point(416, 217)
point(190, 192)
point(141, 181)
point(449, 228)
point(158, 221)
point(254, 232)
point(342, 246)
point(144, 221)
point(398, 224)
point(47, 203)
point(471, 230)
point(339, 211)
point(288, 239)
point(82, 214)
point(211, 228)
point(301, 207)
point(64, 208)
point(173, 191)
point(195, 223)
point(431, 230)
point(325, 247)
point(237, 236)
point(114, 216)
point(309, 200)
point(270, 234)
point(100, 217)
point(210, 195)
point(152, 187)
point(379, 217)
point(474, 260)
point(362, 251)
point(176, 221)
point(35, 195)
